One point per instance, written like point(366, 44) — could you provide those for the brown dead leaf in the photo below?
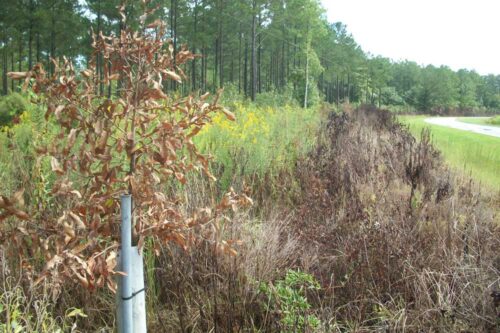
point(17, 75)
point(172, 75)
point(228, 114)
point(78, 221)
point(56, 167)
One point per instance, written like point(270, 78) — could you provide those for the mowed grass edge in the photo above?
point(488, 121)
point(467, 152)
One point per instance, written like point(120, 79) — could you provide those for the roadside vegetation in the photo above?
point(282, 204)
point(471, 154)
point(310, 256)
point(491, 121)
point(494, 121)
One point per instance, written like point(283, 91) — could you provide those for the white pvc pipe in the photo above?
point(139, 300)
point(138, 292)
point(125, 294)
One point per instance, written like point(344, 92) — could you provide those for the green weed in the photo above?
point(11, 106)
point(288, 298)
point(20, 312)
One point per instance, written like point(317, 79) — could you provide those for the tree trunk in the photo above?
point(282, 77)
point(20, 62)
point(99, 73)
point(37, 47)
point(259, 58)
point(287, 62)
point(295, 52)
point(30, 35)
point(12, 70)
point(379, 97)
point(231, 71)
point(110, 84)
point(307, 79)
point(239, 62)
point(5, 59)
point(193, 62)
point(338, 91)
point(204, 68)
point(321, 83)
point(221, 50)
point(245, 72)
point(173, 30)
point(348, 88)
point(254, 58)
point(367, 92)
point(283, 56)
point(306, 93)
point(276, 70)
point(216, 63)
point(269, 69)
point(119, 83)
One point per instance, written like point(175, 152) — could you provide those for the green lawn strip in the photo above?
point(477, 121)
point(465, 151)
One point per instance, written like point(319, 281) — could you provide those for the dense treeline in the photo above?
point(253, 46)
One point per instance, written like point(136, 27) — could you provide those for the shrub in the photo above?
point(495, 120)
point(277, 99)
point(11, 106)
point(232, 95)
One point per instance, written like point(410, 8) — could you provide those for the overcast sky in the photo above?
point(459, 34)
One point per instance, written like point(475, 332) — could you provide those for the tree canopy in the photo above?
point(253, 46)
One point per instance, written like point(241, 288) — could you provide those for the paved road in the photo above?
point(454, 123)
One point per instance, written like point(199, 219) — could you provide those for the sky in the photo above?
point(459, 33)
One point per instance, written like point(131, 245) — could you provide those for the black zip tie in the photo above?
point(134, 294)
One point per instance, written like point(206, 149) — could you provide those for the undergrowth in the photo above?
point(368, 231)
point(31, 310)
point(398, 242)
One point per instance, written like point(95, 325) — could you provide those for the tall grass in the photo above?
point(398, 242)
point(263, 141)
point(395, 241)
point(32, 309)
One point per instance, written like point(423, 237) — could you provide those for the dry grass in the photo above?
point(200, 291)
point(400, 241)
point(397, 242)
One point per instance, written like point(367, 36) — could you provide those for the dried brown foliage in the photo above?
point(398, 242)
point(201, 292)
point(138, 143)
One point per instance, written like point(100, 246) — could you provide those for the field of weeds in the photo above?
point(363, 229)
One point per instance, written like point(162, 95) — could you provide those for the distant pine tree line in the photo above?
point(253, 45)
